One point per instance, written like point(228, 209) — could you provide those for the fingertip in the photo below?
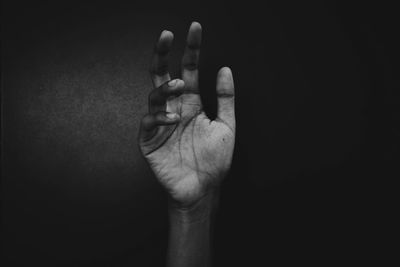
point(164, 43)
point(195, 25)
point(225, 73)
point(147, 122)
point(180, 83)
point(225, 85)
point(172, 116)
point(176, 83)
point(166, 34)
point(194, 35)
point(172, 83)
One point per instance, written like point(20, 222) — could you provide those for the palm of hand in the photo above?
point(194, 158)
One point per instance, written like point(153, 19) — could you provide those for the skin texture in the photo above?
point(189, 153)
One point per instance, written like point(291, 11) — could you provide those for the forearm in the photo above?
point(190, 230)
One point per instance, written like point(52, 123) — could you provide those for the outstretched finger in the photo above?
point(159, 96)
point(226, 97)
point(159, 65)
point(190, 60)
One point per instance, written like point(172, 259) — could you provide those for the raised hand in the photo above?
point(189, 153)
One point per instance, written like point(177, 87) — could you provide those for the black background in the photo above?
point(317, 130)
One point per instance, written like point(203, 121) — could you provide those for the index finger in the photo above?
point(159, 65)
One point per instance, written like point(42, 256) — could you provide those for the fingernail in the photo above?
point(172, 116)
point(172, 83)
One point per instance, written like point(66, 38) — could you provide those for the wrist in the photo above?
point(201, 210)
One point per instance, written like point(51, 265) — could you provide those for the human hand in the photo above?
point(189, 153)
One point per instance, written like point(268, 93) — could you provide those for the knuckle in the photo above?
point(190, 65)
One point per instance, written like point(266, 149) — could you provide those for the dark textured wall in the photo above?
point(314, 101)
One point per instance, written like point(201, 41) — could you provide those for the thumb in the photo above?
point(226, 97)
